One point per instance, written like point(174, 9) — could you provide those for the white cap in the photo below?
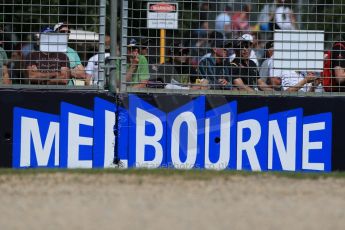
point(57, 26)
point(248, 37)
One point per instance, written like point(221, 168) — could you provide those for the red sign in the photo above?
point(163, 7)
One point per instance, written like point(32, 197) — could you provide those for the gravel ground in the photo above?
point(126, 201)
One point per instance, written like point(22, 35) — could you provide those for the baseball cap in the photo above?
point(248, 37)
point(241, 43)
point(132, 43)
point(47, 29)
point(59, 25)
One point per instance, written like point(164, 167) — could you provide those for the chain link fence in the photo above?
point(53, 43)
point(233, 47)
point(184, 46)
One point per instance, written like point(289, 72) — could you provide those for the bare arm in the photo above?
point(61, 78)
point(315, 84)
point(142, 84)
point(275, 82)
point(132, 69)
point(80, 73)
point(5, 76)
point(339, 72)
point(309, 78)
point(130, 73)
point(296, 87)
point(241, 86)
point(263, 86)
point(36, 76)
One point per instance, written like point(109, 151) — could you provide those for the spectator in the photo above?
point(200, 31)
point(16, 65)
point(137, 66)
point(177, 69)
point(92, 66)
point(144, 47)
point(47, 67)
point(273, 83)
point(337, 65)
point(240, 21)
point(249, 38)
point(32, 45)
point(266, 17)
point(243, 70)
point(223, 22)
point(199, 44)
point(214, 68)
point(284, 17)
point(149, 50)
point(77, 69)
point(204, 17)
point(293, 81)
point(5, 79)
point(204, 11)
point(20, 54)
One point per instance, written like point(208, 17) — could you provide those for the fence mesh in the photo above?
point(233, 47)
point(188, 46)
point(50, 42)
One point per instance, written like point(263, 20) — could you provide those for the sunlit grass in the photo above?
point(187, 174)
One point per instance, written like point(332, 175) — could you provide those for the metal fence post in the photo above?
point(124, 30)
point(101, 51)
point(113, 37)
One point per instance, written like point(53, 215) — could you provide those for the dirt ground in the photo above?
point(121, 201)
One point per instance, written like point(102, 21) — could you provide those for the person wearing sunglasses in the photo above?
point(244, 71)
point(77, 69)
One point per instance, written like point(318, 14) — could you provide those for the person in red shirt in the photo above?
point(240, 21)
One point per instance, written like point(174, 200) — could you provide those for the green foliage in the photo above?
point(327, 15)
point(29, 16)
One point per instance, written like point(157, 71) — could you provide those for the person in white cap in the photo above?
point(244, 71)
point(250, 39)
point(77, 69)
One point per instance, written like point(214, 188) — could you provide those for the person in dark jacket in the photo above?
point(214, 67)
